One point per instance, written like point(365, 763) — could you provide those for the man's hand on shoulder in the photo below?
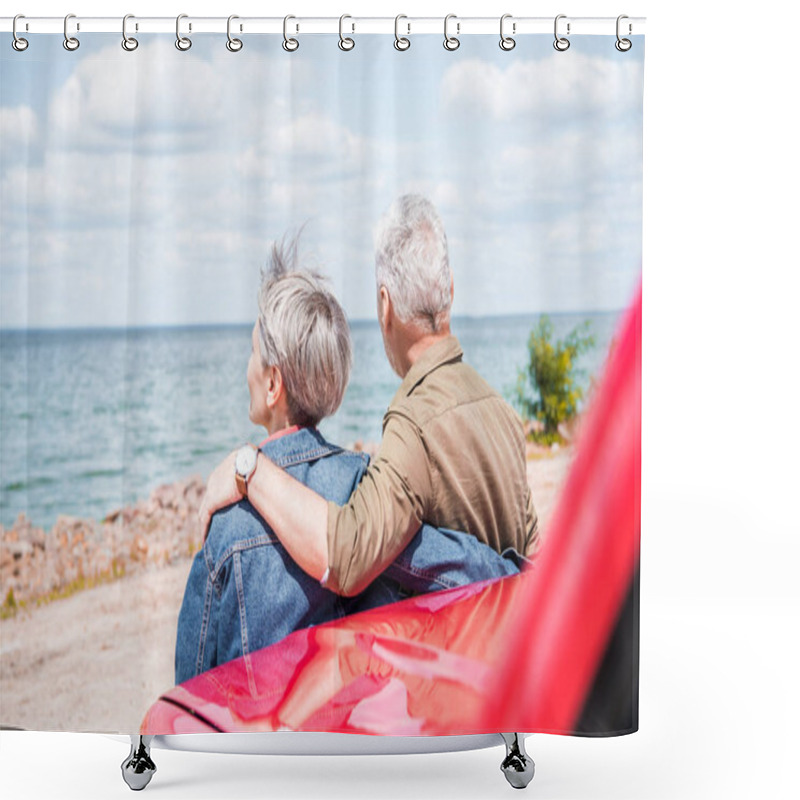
point(221, 492)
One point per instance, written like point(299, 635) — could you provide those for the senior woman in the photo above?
point(297, 373)
point(244, 590)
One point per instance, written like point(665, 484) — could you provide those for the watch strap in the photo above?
point(241, 480)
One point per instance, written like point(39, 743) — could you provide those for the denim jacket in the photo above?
point(244, 590)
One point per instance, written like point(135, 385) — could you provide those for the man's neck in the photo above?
point(420, 345)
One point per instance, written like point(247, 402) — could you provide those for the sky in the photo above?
point(145, 188)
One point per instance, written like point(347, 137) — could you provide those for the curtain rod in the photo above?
point(514, 26)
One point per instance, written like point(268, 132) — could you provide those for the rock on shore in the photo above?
point(78, 552)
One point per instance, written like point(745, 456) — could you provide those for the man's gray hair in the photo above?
point(411, 262)
point(304, 332)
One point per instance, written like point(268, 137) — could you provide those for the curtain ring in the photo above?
point(233, 44)
point(345, 43)
point(181, 42)
point(18, 43)
point(506, 42)
point(289, 45)
point(400, 42)
point(451, 42)
point(70, 42)
point(561, 43)
point(623, 45)
point(128, 42)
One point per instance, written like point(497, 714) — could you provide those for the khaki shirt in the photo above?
point(452, 455)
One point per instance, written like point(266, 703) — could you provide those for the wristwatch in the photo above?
point(245, 466)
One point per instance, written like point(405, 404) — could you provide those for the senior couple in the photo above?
point(299, 531)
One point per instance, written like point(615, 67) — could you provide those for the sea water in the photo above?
point(93, 420)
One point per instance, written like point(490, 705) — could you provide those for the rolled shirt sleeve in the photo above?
point(532, 539)
point(384, 512)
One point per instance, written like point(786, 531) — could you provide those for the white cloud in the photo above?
point(18, 124)
point(311, 146)
point(112, 99)
point(314, 135)
point(159, 99)
point(552, 87)
point(583, 161)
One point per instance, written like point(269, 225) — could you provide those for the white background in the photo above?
point(720, 531)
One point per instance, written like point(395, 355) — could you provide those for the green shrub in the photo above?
point(547, 389)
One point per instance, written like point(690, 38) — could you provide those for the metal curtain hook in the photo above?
point(346, 43)
point(561, 43)
point(400, 42)
point(181, 42)
point(623, 45)
point(506, 42)
point(18, 43)
point(128, 42)
point(289, 45)
point(234, 45)
point(451, 42)
point(70, 42)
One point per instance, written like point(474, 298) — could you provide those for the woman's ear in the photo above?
point(273, 385)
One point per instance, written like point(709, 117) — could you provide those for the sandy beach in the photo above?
point(96, 659)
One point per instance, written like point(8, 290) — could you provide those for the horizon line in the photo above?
point(218, 325)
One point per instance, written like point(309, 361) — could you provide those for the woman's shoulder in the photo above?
point(330, 470)
point(355, 461)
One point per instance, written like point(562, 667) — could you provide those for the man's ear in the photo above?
point(452, 288)
point(273, 386)
point(385, 308)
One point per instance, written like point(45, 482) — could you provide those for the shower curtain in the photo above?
point(142, 190)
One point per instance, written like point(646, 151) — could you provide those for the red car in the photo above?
point(552, 650)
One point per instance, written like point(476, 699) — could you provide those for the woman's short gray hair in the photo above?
point(304, 332)
point(411, 261)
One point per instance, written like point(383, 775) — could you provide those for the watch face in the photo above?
point(246, 461)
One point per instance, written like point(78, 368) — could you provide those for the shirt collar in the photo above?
point(444, 351)
point(278, 434)
point(297, 446)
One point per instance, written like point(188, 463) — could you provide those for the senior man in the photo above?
point(452, 453)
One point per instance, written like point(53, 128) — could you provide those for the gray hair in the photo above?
point(303, 331)
point(411, 261)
